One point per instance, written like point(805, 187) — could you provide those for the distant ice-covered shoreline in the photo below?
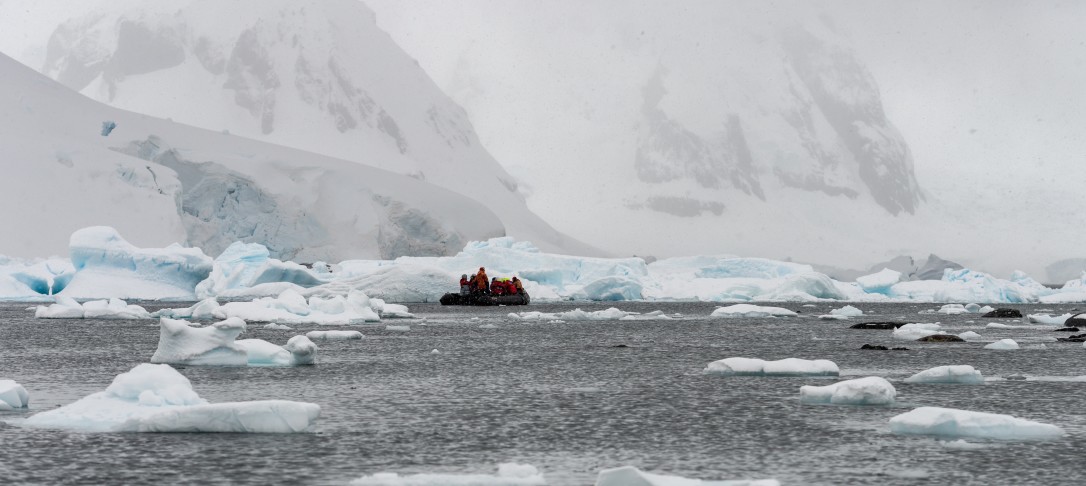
point(103, 265)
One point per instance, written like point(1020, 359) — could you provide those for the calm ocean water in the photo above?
point(570, 398)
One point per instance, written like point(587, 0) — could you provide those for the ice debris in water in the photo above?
point(203, 310)
point(847, 311)
point(632, 476)
point(156, 398)
point(1003, 345)
point(398, 328)
point(750, 310)
point(217, 345)
point(290, 307)
point(12, 396)
point(915, 331)
point(960, 374)
point(783, 367)
point(970, 336)
point(509, 474)
point(333, 335)
point(871, 390)
point(611, 314)
point(1048, 319)
point(277, 327)
point(955, 423)
point(68, 308)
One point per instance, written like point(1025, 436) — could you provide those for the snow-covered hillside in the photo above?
point(313, 75)
point(161, 182)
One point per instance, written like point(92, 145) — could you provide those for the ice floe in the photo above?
point(871, 390)
point(12, 396)
point(290, 307)
point(632, 476)
point(847, 311)
point(156, 398)
point(610, 314)
point(959, 374)
point(509, 474)
point(970, 336)
point(1003, 345)
point(217, 345)
point(914, 331)
point(277, 327)
point(67, 308)
point(203, 310)
point(751, 310)
point(783, 367)
point(1048, 319)
point(955, 423)
point(333, 335)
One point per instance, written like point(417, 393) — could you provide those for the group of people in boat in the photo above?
point(478, 284)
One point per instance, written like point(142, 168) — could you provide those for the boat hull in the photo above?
point(485, 300)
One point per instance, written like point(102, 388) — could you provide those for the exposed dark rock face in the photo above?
point(1077, 320)
point(877, 325)
point(1066, 329)
point(1077, 338)
point(1006, 314)
point(879, 347)
point(941, 338)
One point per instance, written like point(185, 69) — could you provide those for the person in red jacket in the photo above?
point(465, 284)
point(497, 287)
point(510, 287)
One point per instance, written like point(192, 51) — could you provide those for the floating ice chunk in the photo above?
point(333, 335)
point(509, 474)
point(299, 350)
point(831, 317)
point(291, 308)
point(64, 308)
point(915, 331)
point(12, 396)
point(986, 309)
point(435, 351)
point(108, 266)
point(277, 327)
point(1003, 344)
point(113, 309)
point(847, 311)
point(243, 266)
point(879, 283)
point(398, 328)
point(610, 314)
point(750, 310)
point(871, 390)
point(972, 308)
point(970, 336)
point(632, 476)
point(960, 374)
point(202, 310)
point(156, 398)
point(953, 309)
point(950, 422)
point(214, 345)
point(999, 325)
point(783, 367)
point(1048, 319)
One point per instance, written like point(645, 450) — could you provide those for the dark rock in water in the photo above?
point(620, 346)
point(1076, 320)
point(941, 338)
point(877, 325)
point(1003, 314)
point(879, 347)
point(1066, 329)
point(1077, 338)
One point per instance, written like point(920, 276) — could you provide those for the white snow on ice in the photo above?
point(949, 422)
point(959, 374)
point(871, 390)
point(12, 396)
point(1003, 345)
point(783, 367)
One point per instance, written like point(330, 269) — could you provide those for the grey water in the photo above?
point(570, 398)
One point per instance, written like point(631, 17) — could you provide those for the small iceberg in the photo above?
point(751, 311)
point(1003, 345)
point(1048, 319)
point(156, 398)
point(333, 335)
point(957, 374)
point(12, 396)
point(915, 331)
point(970, 336)
point(632, 476)
point(206, 309)
point(871, 390)
point(847, 311)
point(783, 367)
point(509, 474)
point(955, 423)
point(217, 345)
point(277, 327)
point(68, 308)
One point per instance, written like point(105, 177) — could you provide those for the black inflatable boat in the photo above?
point(485, 299)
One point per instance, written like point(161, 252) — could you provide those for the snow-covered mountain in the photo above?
point(69, 161)
point(314, 75)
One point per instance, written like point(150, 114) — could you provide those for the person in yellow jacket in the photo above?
point(482, 283)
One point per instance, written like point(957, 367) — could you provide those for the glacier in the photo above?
point(157, 398)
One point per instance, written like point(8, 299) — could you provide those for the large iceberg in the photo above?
point(632, 476)
point(12, 396)
point(156, 398)
point(750, 310)
point(950, 422)
point(959, 374)
point(108, 266)
point(783, 367)
point(509, 474)
point(67, 308)
point(217, 345)
point(871, 390)
point(243, 266)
